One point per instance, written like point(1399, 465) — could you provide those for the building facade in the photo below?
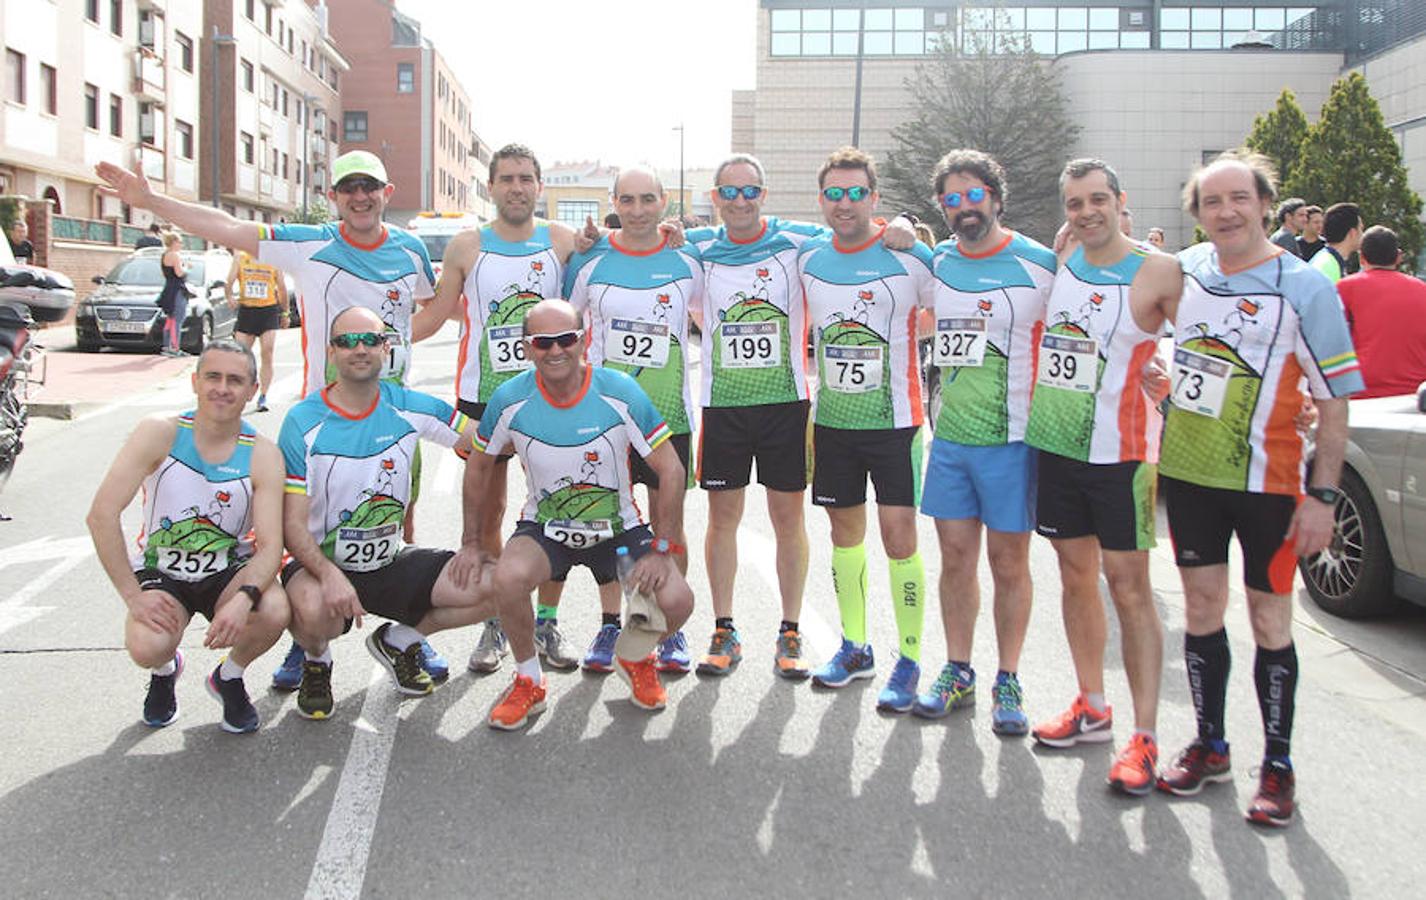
point(1157, 86)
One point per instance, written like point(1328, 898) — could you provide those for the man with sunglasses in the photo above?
point(753, 392)
point(863, 301)
point(357, 260)
point(991, 288)
point(573, 424)
point(349, 451)
point(638, 295)
point(1094, 418)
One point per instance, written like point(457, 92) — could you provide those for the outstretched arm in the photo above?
point(208, 222)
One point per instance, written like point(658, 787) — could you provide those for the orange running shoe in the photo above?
point(1135, 769)
point(725, 651)
point(790, 664)
point(643, 679)
point(1079, 724)
point(521, 699)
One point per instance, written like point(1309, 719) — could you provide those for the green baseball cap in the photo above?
point(358, 162)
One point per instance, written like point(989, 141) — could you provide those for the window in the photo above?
point(15, 76)
point(405, 78)
point(49, 93)
point(354, 126)
point(268, 25)
point(286, 163)
point(91, 107)
point(247, 141)
point(91, 11)
point(574, 212)
point(248, 9)
point(247, 76)
point(116, 115)
point(184, 132)
point(275, 158)
point(285, 97)
point(185, 50)
point(116, 16)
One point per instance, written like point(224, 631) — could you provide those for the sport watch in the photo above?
point(666, 546)
point(254, 594)
point(1328, 495)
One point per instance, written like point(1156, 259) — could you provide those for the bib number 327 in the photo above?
point(1068, 363)
point(960, 342)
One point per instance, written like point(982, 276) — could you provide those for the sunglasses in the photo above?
point(749, 191)
point(365, 338)
point(953, 199)
point(855, 194)
point(364, 185)
point(564, 339)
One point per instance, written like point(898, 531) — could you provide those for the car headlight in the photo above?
point(86, 308)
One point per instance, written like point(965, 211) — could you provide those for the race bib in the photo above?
point(507, 348)
point(366, 549)
point(577, 534)
point(750, 345)
point(635, 342)
point(1067, 363)
point(852, 370)
point(959, 342)
point(400, 355)
point(255, 290)
point(191, 565)
point(1200, 382)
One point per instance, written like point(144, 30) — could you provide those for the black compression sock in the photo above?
point(1208, 660)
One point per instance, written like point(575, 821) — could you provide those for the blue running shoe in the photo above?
point(434, 663)
point(673, 655)
point(954, 688)
point(899, 695)
point(849, 662)
point(1007, 715)
point(600, 655)
point(288, 676)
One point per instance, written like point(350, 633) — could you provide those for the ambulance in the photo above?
point(435, 229)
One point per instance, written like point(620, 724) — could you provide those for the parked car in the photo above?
point(123, 311)
point(1378, 552)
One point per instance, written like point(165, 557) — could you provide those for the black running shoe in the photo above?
point(239, 715)
point(403, 665)
point(314, 695)
point(161, 703)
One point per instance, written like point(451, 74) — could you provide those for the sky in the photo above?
point(598, 79)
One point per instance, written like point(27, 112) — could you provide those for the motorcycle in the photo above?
point(21, 359)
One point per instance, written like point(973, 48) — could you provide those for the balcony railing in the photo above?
point(151, 160)
point(150, 83)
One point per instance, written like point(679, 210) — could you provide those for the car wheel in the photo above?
point(203, 335)
point(1352, 577)
point(86, 345)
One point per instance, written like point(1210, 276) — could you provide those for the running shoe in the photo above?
point(1007, 711)
point(1079, 724)
point(642, 677)
point(314, 695)
point(600, 655)
point(1274, 804)
point(239, 716)
point(489, 649)
point(522, 699)
point(161, 702)
point(899, 695)
point(262, 402)
point(434, 663)
point(673, 654)
point(953, 688)
point(404, 666)
point(849, 662)
point(788, 659)
point(551, 646)
point(1197, 765)
point(725, 651)
point(288, 676)
point(1134, 770)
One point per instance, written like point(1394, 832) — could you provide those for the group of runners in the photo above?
point(575, 356)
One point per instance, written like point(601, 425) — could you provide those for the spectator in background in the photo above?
point(1342, 228)
point(153, 238)
point(1386, 311)
point(1156, 237)
point(20, 242)
point(925, 235)
point(1126, 221)
point(611, 221)
point(1291, 217)
point(173, 300)
point(1310, 241)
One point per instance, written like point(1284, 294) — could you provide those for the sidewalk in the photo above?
point(75, 381)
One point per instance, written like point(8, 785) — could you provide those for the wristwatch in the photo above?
point(1328, 495)
point(254, 594)
point(666, 546)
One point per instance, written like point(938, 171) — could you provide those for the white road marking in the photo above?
point(70, 552)
point(756, 549)
point(340, 867)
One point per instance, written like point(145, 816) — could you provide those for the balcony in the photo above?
point(151, 161)
point(158, 6)
point(265, 115)
point(317, 145)
point(150, 80)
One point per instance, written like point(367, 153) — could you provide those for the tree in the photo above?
point(1278, 135)
point(1350, 155)
point(1007, 104)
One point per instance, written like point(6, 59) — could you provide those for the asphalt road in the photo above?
point(745, 785)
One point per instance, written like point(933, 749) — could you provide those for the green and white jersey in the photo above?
point(861, 307)
point(197, 516)
point(990, 311)
point(1089, 403)
point(356, 469)
point(755, 319)
point(637, 305)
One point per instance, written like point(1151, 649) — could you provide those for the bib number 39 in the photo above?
point(1068, 363)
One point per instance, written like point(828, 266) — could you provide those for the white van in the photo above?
point(435, 229)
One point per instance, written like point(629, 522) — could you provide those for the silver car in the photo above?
point(1378, 552)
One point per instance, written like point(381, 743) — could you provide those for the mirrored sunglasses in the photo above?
point(953, 199)
point(749, 191)
point(855, 194)
point(365, 338)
